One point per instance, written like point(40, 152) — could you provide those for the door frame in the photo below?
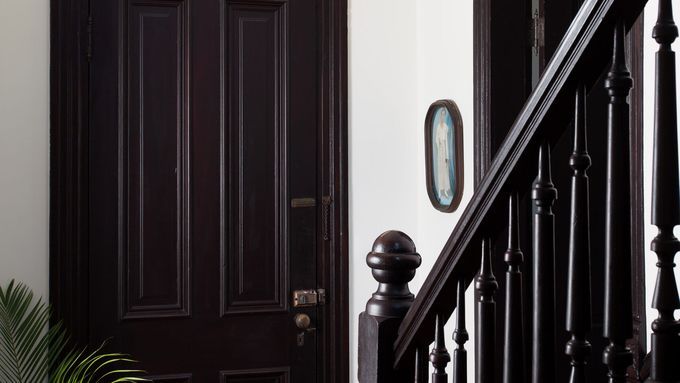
point(70, 50)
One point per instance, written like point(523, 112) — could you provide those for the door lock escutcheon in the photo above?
point(309, 298)
point(303, 323)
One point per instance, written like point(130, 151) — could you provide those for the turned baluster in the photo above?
point(513, 356)
point(544, 195)
point(460, 336)
point(439, 355)
point(485, 328)
point(618, 326)
point(665, 204)
point(422, 365)
point(578, 280)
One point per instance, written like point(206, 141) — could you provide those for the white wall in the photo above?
point(445, 71)
point(24, 93)
point(404, 55)
point(382, 121)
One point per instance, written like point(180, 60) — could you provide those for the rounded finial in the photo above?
point(393, 251)
point(394, 241)
point(393, 263)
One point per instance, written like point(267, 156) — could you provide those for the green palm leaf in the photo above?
point(30, 350)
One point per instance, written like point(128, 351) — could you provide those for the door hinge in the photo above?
point(308, 298)
point(326, 216)
point(537, 32)
point(88, 47)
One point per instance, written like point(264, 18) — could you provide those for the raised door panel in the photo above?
point(170, 378)
point(254, 166)
point(154, 162)
point(266, 375)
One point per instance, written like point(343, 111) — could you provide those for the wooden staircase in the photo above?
point(397, 329)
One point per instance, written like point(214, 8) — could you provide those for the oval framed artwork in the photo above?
point(444, 155)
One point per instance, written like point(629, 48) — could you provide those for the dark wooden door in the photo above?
point(203, 186)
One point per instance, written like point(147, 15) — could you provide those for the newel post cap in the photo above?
point(393, 262)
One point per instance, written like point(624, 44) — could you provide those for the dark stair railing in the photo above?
point(396, 331)
point(665, 352)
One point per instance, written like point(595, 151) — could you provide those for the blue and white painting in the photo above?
point(443, 156)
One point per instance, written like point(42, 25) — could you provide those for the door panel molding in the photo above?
point(154, 287)
point(172, 378)
point(260, 375)
point(70, 51)
point(243, 26)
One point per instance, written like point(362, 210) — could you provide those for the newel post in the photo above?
point(393, 263)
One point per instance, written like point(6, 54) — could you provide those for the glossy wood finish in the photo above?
point(543, 195)
point(665, 203)
point(76, 49)
point(618, 302)
point(513, 340)
point(154, 173)
point(440, 355)
point(636, 40)
point(578, 289)
point(257, 138)
point(489, 136)
point(393, 261)
point(501, 75)
point(265, 375)
point(542, 117)
point(485, 325)
point(422, 366)
point(75, 44)
point(460, 336)
point(187, 175)
point(69, 116)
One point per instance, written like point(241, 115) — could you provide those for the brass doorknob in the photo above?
point(302, 321)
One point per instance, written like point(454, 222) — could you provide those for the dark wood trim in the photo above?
point(335, 256)
point(585, 46)
point(68, 164)
point(69, 168)
point(458, 172)
point(487, 135)
point(482, 87)
point(635, 52)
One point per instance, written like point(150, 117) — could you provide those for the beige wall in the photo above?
point(24, 108)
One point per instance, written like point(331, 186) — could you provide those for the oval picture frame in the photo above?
point(444, 155)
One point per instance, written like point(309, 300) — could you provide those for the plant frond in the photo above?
point(30, 350)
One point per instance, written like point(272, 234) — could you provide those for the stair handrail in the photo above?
point(586, 45)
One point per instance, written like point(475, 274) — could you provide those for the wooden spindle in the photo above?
point(421, 366)
point(544, 195)
point(578, 280)
point(618, 316)
point(460, 336)
point(485, 328)
point(513, 347)
point(439, 355)
point(665, 203)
